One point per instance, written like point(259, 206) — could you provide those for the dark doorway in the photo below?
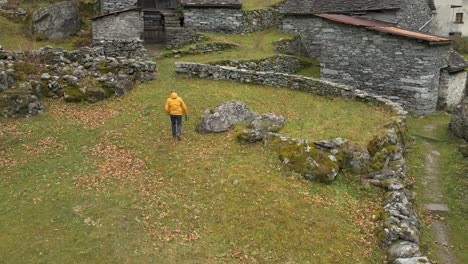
point(154, 27)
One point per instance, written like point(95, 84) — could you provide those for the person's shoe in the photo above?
point(179, 137)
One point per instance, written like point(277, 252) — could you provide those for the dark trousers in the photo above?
point(176, 121)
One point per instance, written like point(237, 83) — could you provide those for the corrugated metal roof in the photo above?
point(383, 27)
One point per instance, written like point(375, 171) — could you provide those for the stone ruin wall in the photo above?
point(405, 70)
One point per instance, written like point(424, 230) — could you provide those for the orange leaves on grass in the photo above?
point(42, 146)
point(113, 163)
point(89, 116)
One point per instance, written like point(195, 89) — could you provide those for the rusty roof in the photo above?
point(384, 27)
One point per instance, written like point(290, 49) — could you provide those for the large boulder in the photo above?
point(459, 122)
point(58, 20)
point(223, 117)
point(260, 126)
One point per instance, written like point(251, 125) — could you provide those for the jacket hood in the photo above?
point(173, 95)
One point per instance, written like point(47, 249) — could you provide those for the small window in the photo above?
point(459, 18)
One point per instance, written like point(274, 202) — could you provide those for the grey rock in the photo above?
point(223, 117)
point(45, 76)
point(95, 94)
point(459, 121)
point(260, 126)
point(441, 208)
point(123, 86)
point(7, 79)
point(417, 260)
point(330, 144)
point(58, 20)
point(403, 249)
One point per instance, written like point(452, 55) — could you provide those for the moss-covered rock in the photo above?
point(73, 94)
point(309, 161)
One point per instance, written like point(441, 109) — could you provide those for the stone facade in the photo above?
point(224, 20)
point(404, 69)
point(292, 46)
point(127, 25)
point(111, 6)
point(452, 89)
point(257, 20)
point(413, 14)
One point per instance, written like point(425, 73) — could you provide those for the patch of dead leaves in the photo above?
point(89, 116)
point(42, 146)
point(113, 163)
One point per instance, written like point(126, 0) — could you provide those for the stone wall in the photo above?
point(403, 69)
point(278, 63)
point(295, 82)
point(452, 89)
point(292, 46)
point(224, 20)
point(257, 20)
point(414, 14)
point(79, 75)
point(110, 6)
point(121, 48)
point(231, 21)
point(122, 26)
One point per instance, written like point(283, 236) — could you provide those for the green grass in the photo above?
point(453, 169)
point(103, 183)
point(258, 4)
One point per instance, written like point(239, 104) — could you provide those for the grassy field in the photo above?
point(103, 183)
point(454, 171)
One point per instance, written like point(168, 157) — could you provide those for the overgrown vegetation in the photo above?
point(460, 44)
point(433, 130)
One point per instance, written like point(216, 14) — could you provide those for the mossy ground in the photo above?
point(104, 183)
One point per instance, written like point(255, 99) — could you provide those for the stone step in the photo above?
point(438, 208)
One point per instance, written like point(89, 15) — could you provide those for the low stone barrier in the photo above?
point(278, 63)
point(383, 164)
point(79, 75)
point(257, 20)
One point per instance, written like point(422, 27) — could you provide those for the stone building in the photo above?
point(175, 22)
point(450, 18)
point(373, 45)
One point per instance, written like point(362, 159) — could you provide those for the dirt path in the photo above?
point(435, 201)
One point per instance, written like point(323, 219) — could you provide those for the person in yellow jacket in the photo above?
point(176, 107)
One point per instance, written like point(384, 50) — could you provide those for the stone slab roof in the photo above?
point(212, 3)
point(338, 6)
point(456, 62)
point(384, 27)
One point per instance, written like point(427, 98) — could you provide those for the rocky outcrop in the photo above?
point(459, 122)
point(57, 21)
point(258, 128)
point(223, 117)
point(19, 103)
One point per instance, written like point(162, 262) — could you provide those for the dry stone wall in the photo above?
point(224, 20)
point(80, 75)
point(404, 70)
point(414, 14)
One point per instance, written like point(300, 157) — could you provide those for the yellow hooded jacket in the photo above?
point(175, 105)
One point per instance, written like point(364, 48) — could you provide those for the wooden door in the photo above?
point(154, 27)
